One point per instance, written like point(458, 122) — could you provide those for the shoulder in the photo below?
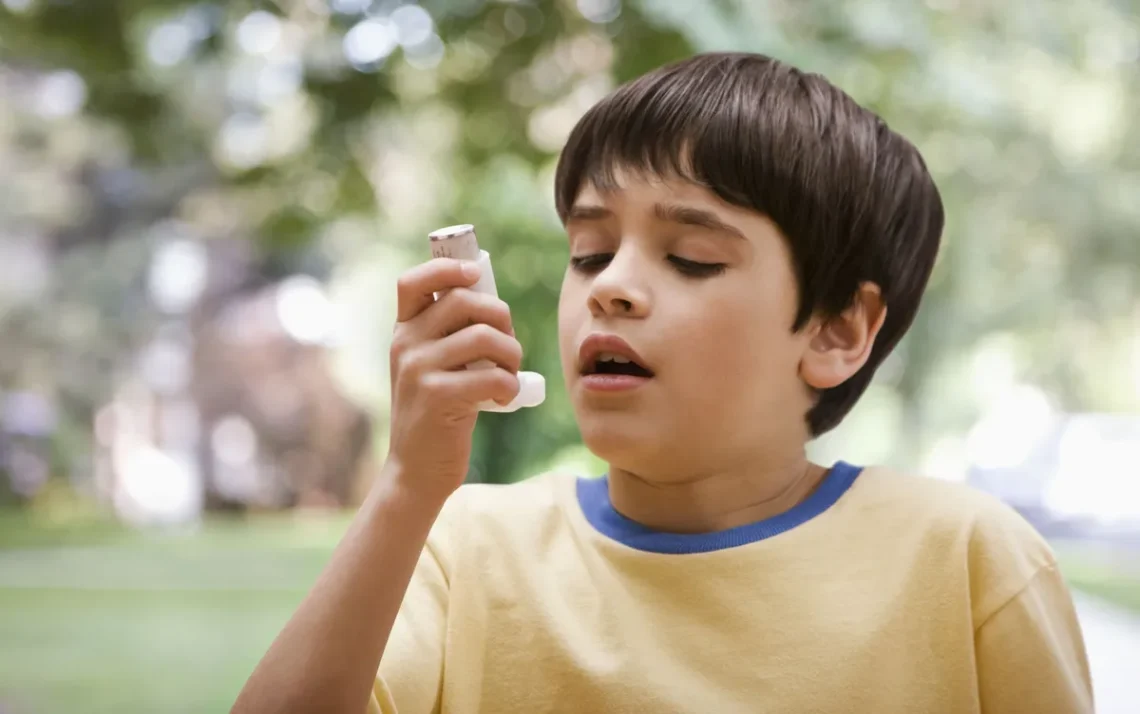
point(539, 493)
point(957, 523)
point(500, 515)
point(943, 504)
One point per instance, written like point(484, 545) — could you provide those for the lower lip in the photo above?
point(612, 382)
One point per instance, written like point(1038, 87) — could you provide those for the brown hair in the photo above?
point(853, 198)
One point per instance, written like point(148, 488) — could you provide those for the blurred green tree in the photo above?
point(331, 136)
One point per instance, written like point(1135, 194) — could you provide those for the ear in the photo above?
point(839, 346)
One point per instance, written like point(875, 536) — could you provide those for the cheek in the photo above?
point(570, 308)
point(722, 348)
point(741, 353)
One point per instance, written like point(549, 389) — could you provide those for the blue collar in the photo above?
point(594, 499)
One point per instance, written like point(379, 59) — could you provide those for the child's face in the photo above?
point(726, 385)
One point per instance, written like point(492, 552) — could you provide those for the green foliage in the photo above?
point(1023, 116)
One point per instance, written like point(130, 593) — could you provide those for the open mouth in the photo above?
point(616, 364)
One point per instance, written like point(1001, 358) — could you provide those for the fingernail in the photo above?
point(470, 270)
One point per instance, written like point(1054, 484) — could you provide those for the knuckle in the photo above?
point(499, 308)
point(510, 381)
point(510, 348)
point(506, 384)
point(462, 299)
point(431, 385)
point(404, 285)
point(477, 308)
point(405, 348)
point(399, 347)
point(478, 301)
point(458, 302)
point(483, 334)
point(494, 305)
point(409, 361)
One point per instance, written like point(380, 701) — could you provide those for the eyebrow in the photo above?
point(588, 213)
point(689, 216)
point(672, 213)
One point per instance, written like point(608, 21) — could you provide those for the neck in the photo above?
point(714, 501)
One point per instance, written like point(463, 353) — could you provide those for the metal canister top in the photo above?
point(456, 241)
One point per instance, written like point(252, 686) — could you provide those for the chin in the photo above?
point(627, 440)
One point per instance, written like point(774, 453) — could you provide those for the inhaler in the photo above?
point(459, 242)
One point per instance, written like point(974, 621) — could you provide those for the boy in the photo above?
point(747, 245)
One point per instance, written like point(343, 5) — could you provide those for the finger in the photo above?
point(416, 288)
point(473, 385)
point(472, 344)
point(460, 308)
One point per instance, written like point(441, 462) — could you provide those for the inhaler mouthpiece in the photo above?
point(532, 392)
point(459, 242)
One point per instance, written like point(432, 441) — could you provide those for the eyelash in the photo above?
point(690, 268)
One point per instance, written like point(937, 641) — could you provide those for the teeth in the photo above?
point(611, 357)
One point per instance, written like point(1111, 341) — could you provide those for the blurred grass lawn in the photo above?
point(1109, 573)
point(99, 619)
point(96, 618)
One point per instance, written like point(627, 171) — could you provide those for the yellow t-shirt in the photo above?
point(880, 593)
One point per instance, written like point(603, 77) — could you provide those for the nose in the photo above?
point(617, 292)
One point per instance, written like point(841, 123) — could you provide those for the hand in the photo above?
point(434, 397)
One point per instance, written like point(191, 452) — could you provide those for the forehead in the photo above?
point(644, 196)
point(639, 198)
point(643, 188)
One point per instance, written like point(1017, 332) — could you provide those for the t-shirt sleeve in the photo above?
point(1031, 654)
point(411, 671)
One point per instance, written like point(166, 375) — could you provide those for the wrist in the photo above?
point(396, 488)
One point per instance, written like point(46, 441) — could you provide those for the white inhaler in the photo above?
point(459, 242)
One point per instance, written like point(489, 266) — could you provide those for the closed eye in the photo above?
point(597, 262)
point(696, 269)
point(590, 264)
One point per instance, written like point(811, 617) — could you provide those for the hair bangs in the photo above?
point(652, 127)
point(751, 140)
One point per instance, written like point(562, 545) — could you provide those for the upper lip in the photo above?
point(597, 344)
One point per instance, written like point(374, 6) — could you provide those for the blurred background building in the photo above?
point(204, 205)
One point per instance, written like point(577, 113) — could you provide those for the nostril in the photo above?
point(623, 304)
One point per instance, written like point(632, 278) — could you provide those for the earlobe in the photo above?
point(840, 345)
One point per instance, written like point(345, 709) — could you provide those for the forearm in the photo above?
point(326, 657)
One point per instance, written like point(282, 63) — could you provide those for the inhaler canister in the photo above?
point(460, 242)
